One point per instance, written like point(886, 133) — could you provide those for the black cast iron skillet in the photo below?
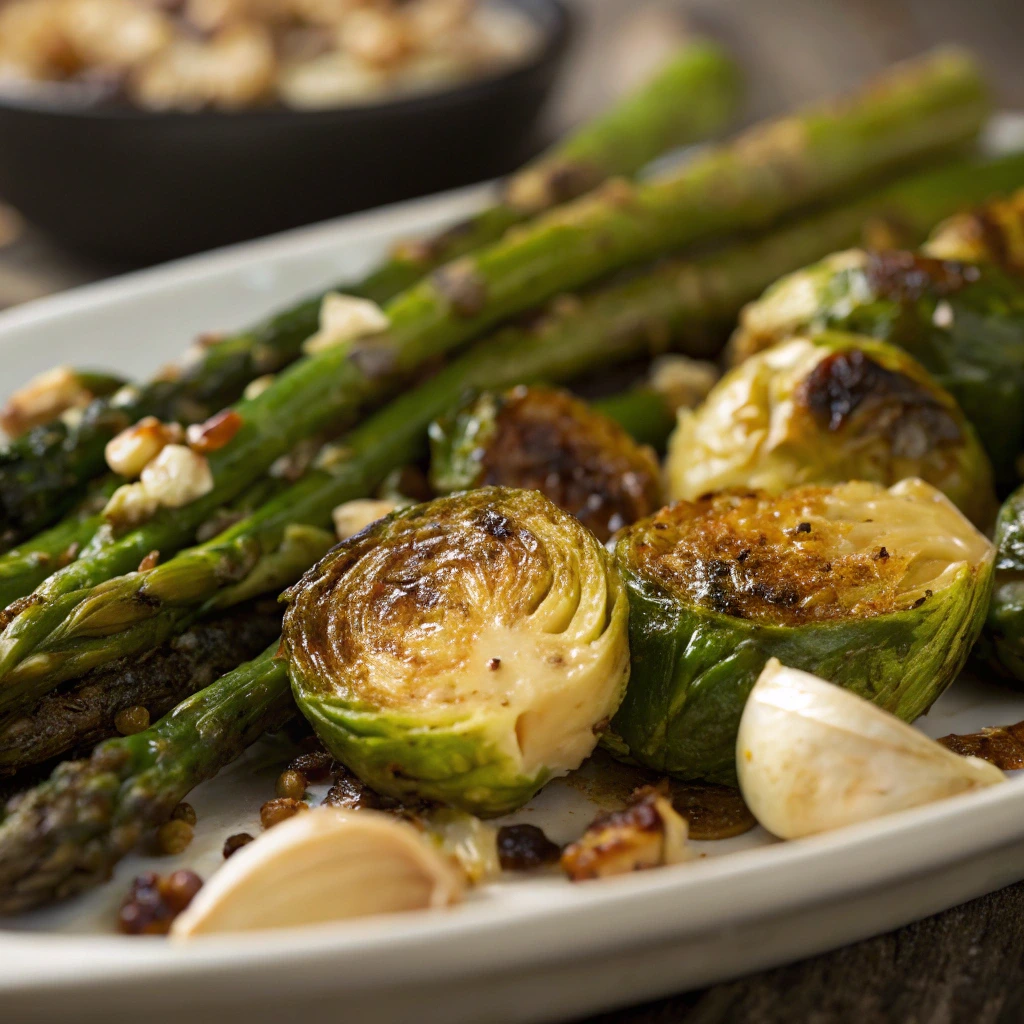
point(139, 186)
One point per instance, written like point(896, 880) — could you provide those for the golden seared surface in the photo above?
point(547, 440)
point(811, 554)
point(992, 234)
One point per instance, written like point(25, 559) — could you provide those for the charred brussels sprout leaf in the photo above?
point(824, 410)
point(994, 233)
point(545, 439)
point(1003, 641)
point(465, 650)
point(964, 323)
point(880, 591)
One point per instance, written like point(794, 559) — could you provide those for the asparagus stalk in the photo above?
point(84, 714)
point(66, 835)
point(766, 173)
point(682, 305)
point(690, 98)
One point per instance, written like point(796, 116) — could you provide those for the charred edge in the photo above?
point(907, 277)
point(462, 288)
point(15, 608)
point(845, 383)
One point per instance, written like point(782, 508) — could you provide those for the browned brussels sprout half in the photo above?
point(465, 650)
point(547, 440)
point(993, 233)
point(826, 409)
point(963, 322)
point(880, 591)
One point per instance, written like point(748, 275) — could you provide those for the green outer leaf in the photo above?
point(1002, 644)
point(692, 668)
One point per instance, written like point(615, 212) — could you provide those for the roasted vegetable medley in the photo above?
point(532, 513)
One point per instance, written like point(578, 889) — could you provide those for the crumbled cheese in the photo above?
point(43, 399)
point(354, 516)
point(136, 446)
point(177, 476)
point(344, 318)
point(256, 387)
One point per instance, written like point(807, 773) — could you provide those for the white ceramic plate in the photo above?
point(532, 949)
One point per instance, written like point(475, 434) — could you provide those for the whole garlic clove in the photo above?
point(812, 756)
point(325, 865)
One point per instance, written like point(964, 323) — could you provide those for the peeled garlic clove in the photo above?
point(812, 756)
point(326, 865)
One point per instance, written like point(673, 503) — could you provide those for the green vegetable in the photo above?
point(684, 305)
point(546, 440)
point(691, 97)
point(66, 835)
point(1002, 644)
point(994, 233)
point(880, 591)
point(824, 409)
point(465, 650)
point(963, 322)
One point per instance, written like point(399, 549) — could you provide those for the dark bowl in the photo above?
point(137, 186)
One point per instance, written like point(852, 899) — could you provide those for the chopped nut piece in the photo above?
point(130, 506)
point(154, 901)
point(184, 812)
point(132, 449)
point(648, 833)
point(177, 476)
point(354, 516)
point(151, 561)
point(291, 784)
point(174, 836)
point(234, 843)
point(344, 318)
point(273, 812)
point(215, 432)
point(132, 720)
point(256, 387)
point(43, 399)
point(525, 848)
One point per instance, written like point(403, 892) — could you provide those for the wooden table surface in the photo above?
point(966, 965)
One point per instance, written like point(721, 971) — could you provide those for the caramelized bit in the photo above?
point(215, 433)
point(850, 391)
point(174, 837)
point(151, 561)
point(349, 792)
point(908, 276)
point(273, 812)
point(712, 812)
point(1002, 746)
point(234, 843)
point(525, 848)
point(316, 765)
point(184, 812)
point(291, 784)
point(132, 720)
point(648, 833)
point(154, 901)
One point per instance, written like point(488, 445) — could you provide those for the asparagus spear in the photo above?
point(84, 714)
point(67, 834)
point(772, 170)
point(678, 304)
point(690, 98)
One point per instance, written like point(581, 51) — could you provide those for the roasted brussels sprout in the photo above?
point(880, 591)
point(964, 323)
point(994, 233)
point(547, 440)
point(826, 409)
point(1002, 644)
point(464, 650)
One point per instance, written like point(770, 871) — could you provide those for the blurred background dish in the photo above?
point(199, 143)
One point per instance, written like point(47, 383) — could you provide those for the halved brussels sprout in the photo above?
point(993, 233)
point(964, 323)
point(547, 440)
point(1003, 641)
point(880, 591)
point(464, 650)
point(826, 409)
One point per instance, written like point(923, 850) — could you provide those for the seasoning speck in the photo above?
point(494, 664)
